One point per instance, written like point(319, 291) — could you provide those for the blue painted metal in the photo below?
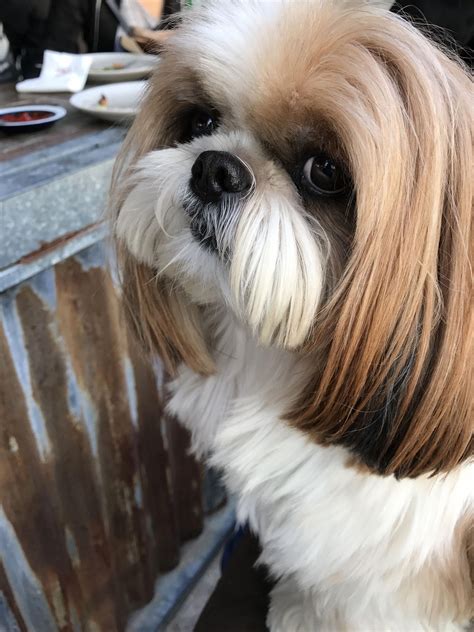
point(8, 623)
point(14, 333)
point(34, 608)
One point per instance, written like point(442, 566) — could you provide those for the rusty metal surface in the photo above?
point(46, 256)
point(97, 490)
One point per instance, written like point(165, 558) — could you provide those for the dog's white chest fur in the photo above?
point(354, 550)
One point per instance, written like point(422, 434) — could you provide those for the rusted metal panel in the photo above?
point(155, 464)
point(10, 616)
point(97, 489)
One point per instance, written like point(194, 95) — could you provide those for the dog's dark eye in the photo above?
point(202, 123)
point(324, 176)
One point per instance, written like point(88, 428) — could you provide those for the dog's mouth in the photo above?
point(203, 234)
point(202, 230)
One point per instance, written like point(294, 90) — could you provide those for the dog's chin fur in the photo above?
point(319, 345)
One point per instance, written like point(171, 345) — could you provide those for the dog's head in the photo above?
point(308, 165)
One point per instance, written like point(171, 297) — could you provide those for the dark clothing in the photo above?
point(455, 17)
point(240, 600)
point(20, 14)
point(69, 26)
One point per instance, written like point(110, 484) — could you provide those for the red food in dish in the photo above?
point(24, 117)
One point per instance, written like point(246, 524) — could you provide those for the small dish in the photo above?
point(113, 67)
point(118, 102)
point(27, 118)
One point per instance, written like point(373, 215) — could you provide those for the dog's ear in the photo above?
point(396, 382)
point(161, 316)
point(162, 319)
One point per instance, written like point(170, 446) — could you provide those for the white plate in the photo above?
point(123, 100)
point(132, 67)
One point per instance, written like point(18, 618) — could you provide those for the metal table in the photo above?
point(97, 488)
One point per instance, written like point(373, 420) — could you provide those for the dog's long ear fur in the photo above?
point(162, 319)
point(396, 383)
point(165, 322)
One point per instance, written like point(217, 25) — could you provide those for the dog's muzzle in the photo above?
point(218, 180)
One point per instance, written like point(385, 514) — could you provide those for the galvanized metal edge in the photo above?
point(39, 167)
point(11, 276)
point(172, 588)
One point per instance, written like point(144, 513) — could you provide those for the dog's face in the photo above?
point(253, 202)
point(304, 165)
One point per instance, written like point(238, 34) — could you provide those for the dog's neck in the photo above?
point(245, 370)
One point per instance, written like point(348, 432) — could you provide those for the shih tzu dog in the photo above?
point(292, 209)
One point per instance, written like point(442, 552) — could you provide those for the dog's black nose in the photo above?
point(217, 172)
